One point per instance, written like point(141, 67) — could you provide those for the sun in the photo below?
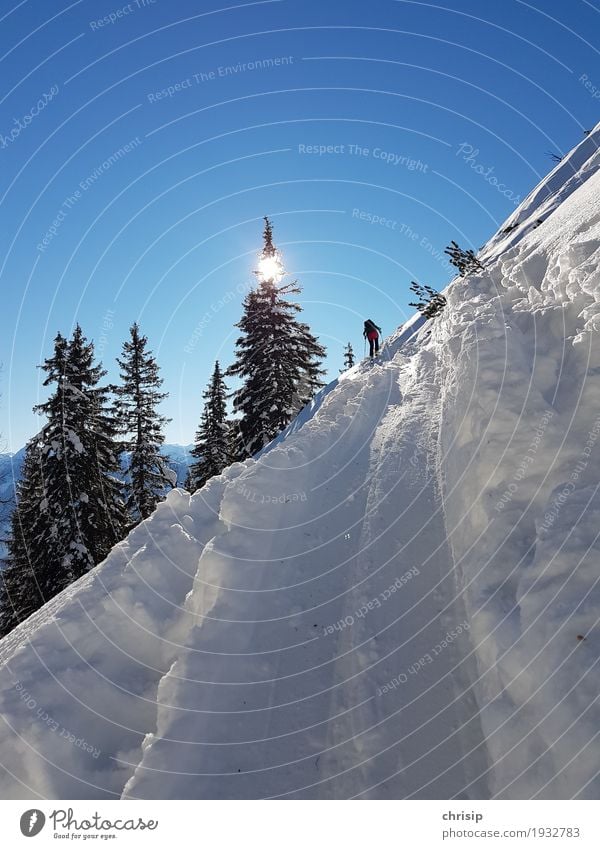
point(270, 268)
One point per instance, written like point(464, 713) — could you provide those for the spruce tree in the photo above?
point(69, 511)
point(211, 446)
point(235, 442)
point(348, 358)
point(310, 354)
point(25, 581)
point(464, 260)
point(79, 461)
point(277, 357)
point(430, 303)
point(141, 427)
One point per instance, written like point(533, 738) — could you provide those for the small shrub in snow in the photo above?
point(430, 303)
point(464, 260)
point(348, 357)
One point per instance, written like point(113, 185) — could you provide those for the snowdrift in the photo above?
point(397, 599)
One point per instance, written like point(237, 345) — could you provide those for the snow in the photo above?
point(397, 598)
point(170, 474)
point(75, 441)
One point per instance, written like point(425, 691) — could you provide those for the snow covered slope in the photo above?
point(399, 598)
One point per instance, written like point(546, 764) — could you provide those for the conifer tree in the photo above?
point(348, 358)
point(69, 511)
point(235, 442)
point(141, 427)
point(310, 354)
point(464, 260)
point(211, 446)
point(79, 460)
point(555, 157)
point(430, 303)
point(25, 582)
point(277, 357)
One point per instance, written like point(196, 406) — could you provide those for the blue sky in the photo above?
point(145, 141)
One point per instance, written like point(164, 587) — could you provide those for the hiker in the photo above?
point(371, 332)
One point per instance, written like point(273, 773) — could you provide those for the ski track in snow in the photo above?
point(286, 693)
point(387, 601)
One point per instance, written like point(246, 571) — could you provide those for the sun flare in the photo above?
point(270, 268)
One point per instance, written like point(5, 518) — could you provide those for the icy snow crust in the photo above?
point(389, 602)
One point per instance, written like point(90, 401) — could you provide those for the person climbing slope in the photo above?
point(371, 332)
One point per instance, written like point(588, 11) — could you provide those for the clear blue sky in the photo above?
point(166, 231)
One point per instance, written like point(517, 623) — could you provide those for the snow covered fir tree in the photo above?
point(69, 512)
point(141, 427)
point(212, 444)
point(277, 357)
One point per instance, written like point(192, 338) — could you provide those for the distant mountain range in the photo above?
point(10, 472)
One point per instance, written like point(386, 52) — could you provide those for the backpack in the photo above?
point(370, 325)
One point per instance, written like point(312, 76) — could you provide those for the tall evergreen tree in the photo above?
point(211, 446)
point(79, 460)
point(141, 426)
point(69, 510)
point(277, 357)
